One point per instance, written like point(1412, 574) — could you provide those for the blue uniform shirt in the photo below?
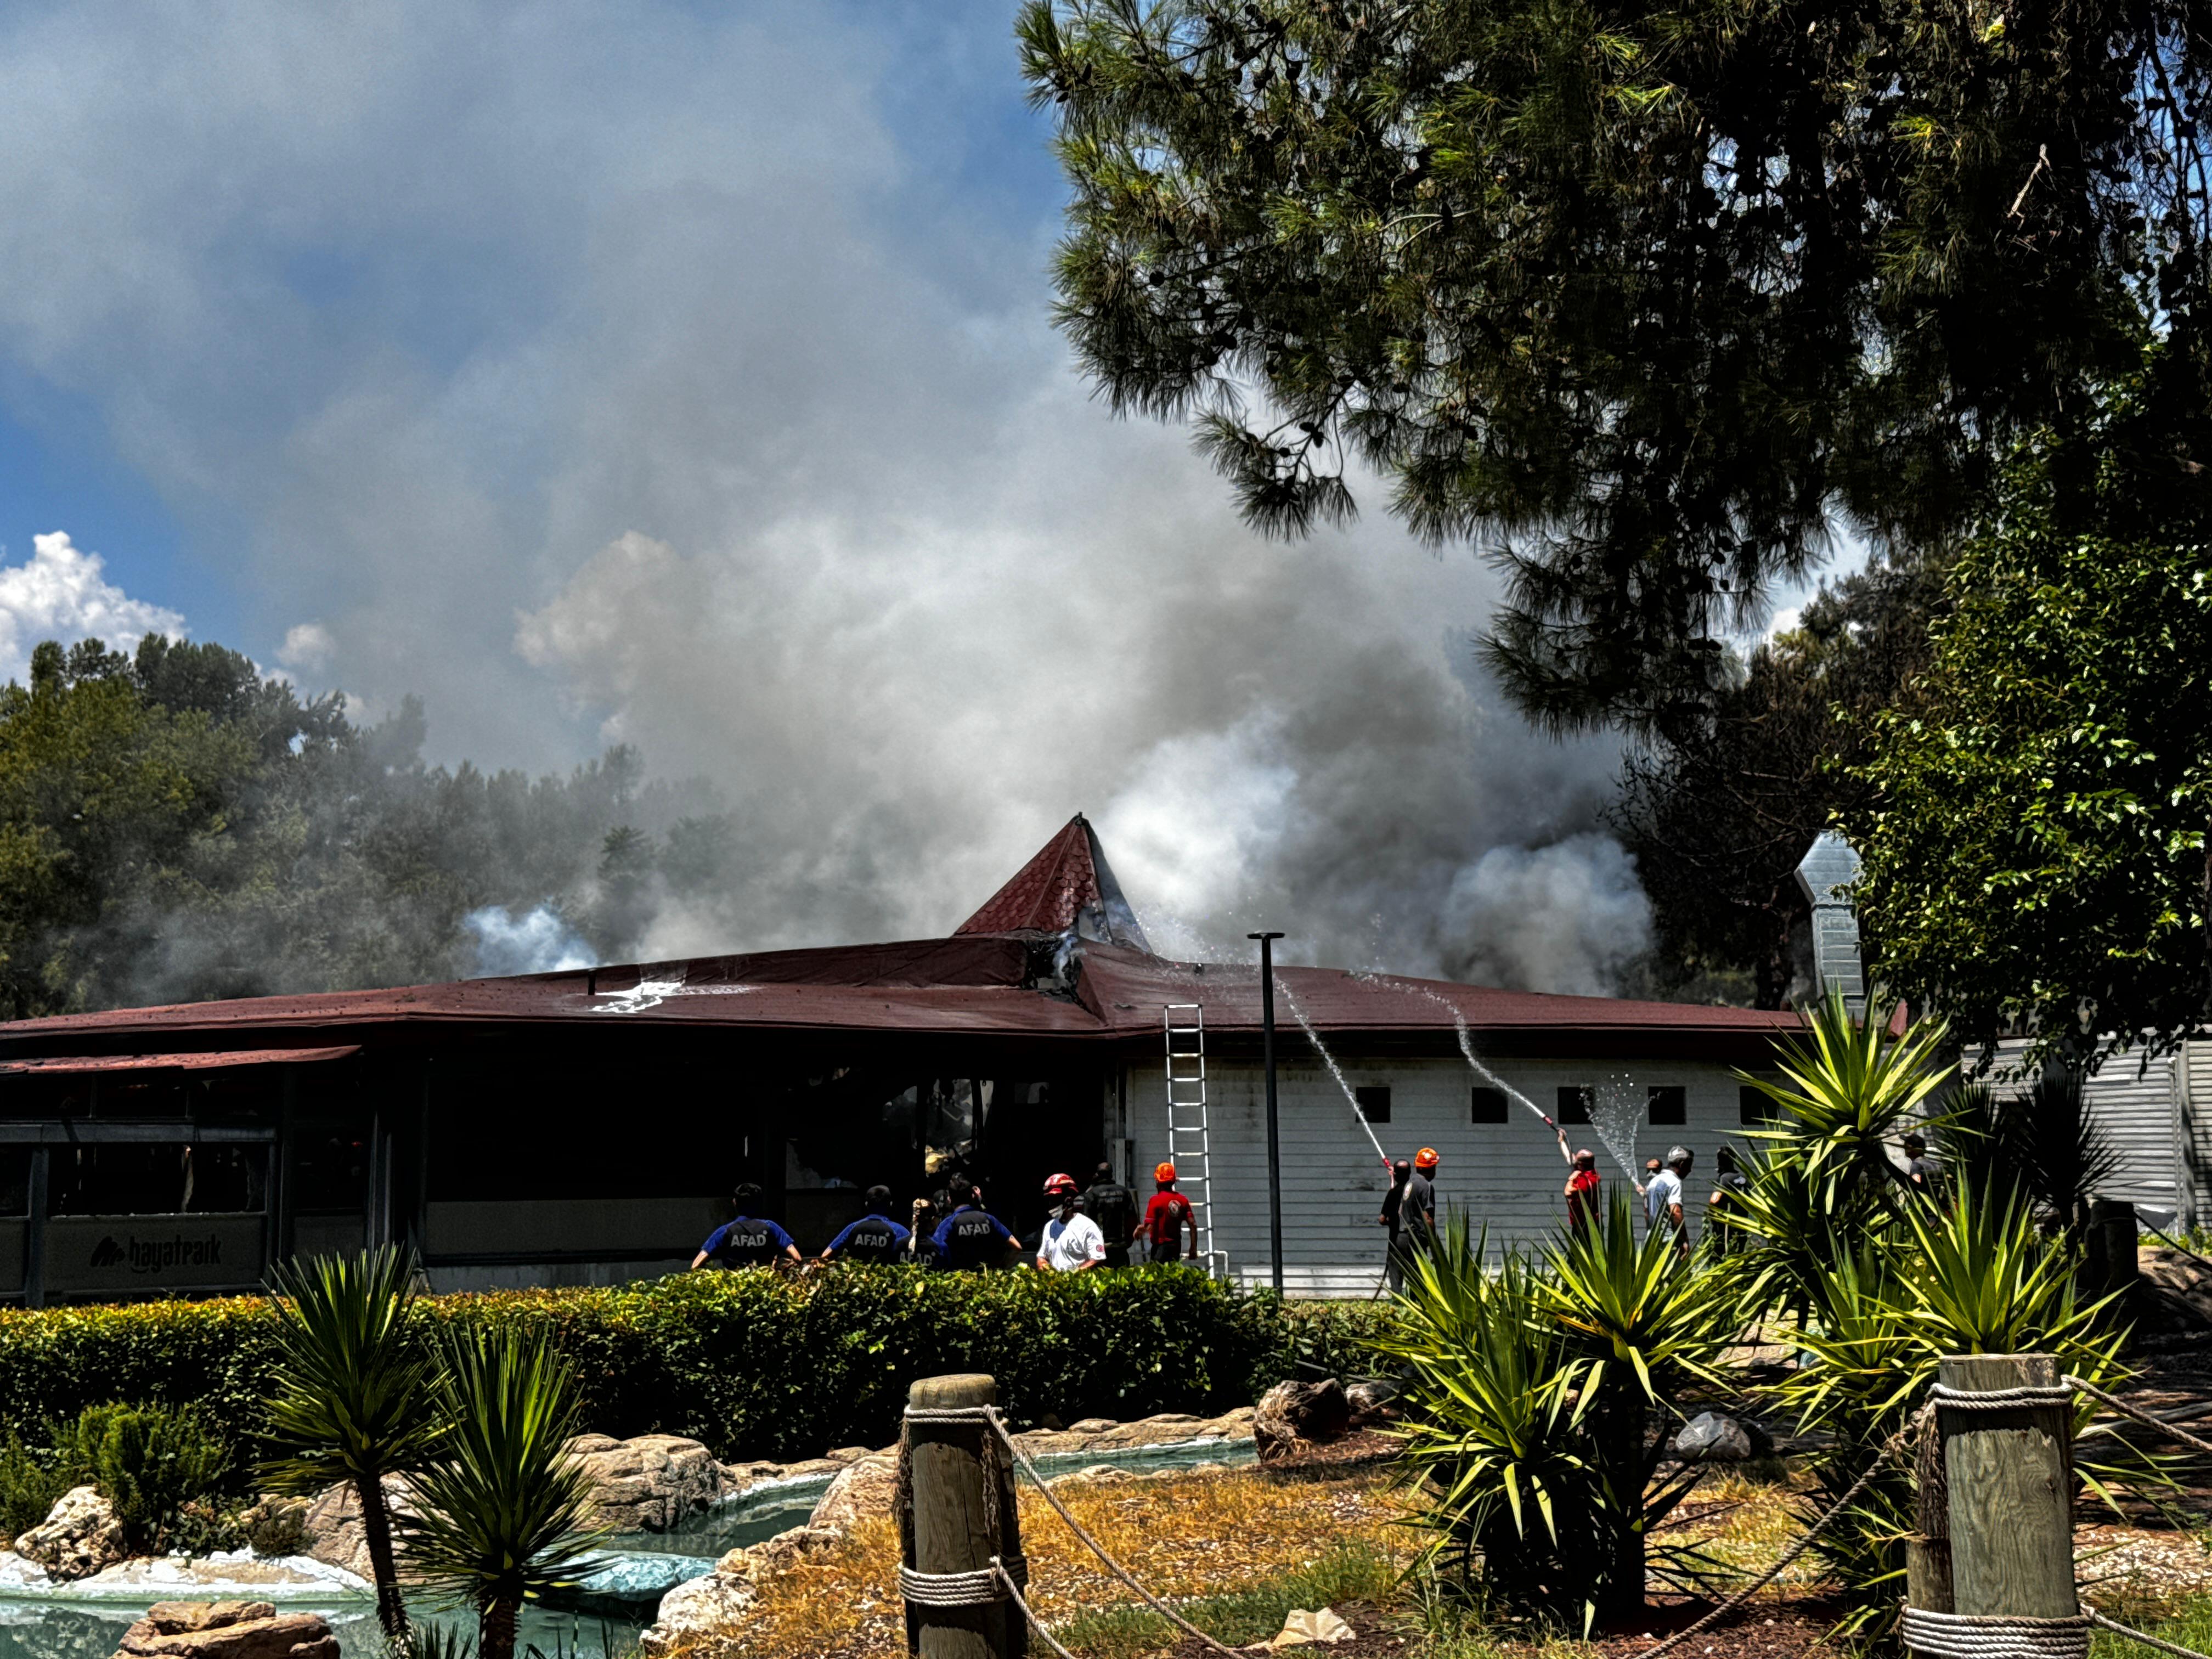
point(748, 1242)
point(969, 1236)
point(874, 1238)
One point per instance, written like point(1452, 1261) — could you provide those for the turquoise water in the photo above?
point(601, 1620)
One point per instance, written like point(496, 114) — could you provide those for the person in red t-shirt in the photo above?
point(1166, 1216)
point(1582, 1182)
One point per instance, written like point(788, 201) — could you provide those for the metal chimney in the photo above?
point(1837, 965)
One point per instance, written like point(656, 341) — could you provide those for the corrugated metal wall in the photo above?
point(1506, 1175)
point(2138, 1109)
point(2193, 1084)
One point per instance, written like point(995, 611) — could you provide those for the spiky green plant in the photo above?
point(1640, 1317)
point(502, 1508)
point(353, 1398)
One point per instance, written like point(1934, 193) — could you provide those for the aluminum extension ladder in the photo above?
point(1190, 1146)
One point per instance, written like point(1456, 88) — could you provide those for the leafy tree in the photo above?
point(2034, 833)
point(1720, 811)
point(1642, 294)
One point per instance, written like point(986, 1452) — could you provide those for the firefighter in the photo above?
point(1393, 1204)
point(1114, 1207)
point(1582, 1182)
point(875, 1237)
point(1166, 1216)
point(1417, 1210)
point(749, 1241)
point(1070, 1242)
point(971, 1237)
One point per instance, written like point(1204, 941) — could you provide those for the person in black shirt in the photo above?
point(1114, 1207)
point(973, 1238)
point(1921, 1173)
point(1394, 1203)
point(749, 1241)
point(874, 1238)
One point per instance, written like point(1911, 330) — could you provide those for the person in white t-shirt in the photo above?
point(1663, 1196)
point(1070, 1241)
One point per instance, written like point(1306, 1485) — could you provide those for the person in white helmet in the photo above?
point(1070, 1241)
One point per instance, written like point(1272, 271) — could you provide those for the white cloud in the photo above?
point(308, 646)
point(61, 593)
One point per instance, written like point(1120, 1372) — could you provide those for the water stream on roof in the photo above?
point(1329, 1061)
point(1466, 1041)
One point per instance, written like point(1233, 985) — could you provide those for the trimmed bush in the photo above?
point(752, 1363)
point(152, 1463)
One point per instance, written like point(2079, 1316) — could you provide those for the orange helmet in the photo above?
point(1163, 1172)
point(1426, 1159)
point(1061, 1183)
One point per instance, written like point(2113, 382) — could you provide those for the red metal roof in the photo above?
point(1067, 887)
point(70, 1065)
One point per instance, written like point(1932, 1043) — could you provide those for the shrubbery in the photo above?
point(753, 1364)
point(161, 1468)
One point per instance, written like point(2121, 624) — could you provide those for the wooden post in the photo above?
point(963, 1515)
point(1928, 1550)
point(2011, 1489)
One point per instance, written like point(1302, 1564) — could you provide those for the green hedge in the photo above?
point(754, 1364)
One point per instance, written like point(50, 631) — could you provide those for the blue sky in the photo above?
point(684, 375)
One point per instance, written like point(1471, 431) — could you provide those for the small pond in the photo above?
point(599, 1620)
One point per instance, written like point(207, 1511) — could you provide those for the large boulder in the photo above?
point(276, 1526)
point(866, 1489)
point(1714, 1438)
point(1372, 1402)
point(1294, 1415)
point(698, 1608)
point(331, 1528)
point(650, 1484)
point(79, 1536)
point(227, 1630)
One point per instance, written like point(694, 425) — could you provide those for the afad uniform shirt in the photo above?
point(969, 1237)
point(871, 1238)
point(748, 1242)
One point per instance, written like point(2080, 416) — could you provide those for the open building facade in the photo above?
point(589, 1127)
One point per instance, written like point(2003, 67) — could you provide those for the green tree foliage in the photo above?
point(1720, 810)
point(155, 1464)
point(173, 827)
point(2034, 832)
point(1642, 295)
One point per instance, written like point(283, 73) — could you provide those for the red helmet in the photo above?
point(1061, 1183)
point(1163, 1172)
point(1426, 1159)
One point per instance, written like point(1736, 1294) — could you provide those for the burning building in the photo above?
point(588, 1127)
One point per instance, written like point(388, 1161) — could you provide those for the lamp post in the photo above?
point(1274, 1135)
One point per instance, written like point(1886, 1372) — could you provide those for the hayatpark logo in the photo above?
point(151, 1256)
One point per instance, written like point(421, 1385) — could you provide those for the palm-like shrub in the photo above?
point(1526, 1391)
point(502, 1508)
point(353, 1393)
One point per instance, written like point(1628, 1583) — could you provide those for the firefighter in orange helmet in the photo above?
point(1166, 1219)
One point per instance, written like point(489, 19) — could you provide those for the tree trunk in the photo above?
point(1621, 1595)
point(376, 1530)
point(495, 1631)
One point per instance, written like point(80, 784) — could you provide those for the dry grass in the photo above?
point(1745, 1518)
point(1191, 1535)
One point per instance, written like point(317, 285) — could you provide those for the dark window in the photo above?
point(1670, 1103)
point(1489, 1106)
point(1574, 1103)
point(1374, 1104)
point(1754, 1106)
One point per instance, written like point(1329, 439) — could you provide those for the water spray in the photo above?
point(1334, 1071)
point(1466, 1043)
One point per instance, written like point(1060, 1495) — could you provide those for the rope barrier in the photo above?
point(977, 1589)
point(2002, 1399)
point(2139, 1415)
point(1994, 1636)
point(1889, 1449)
point(1036, 1622)
point(2119, 1629)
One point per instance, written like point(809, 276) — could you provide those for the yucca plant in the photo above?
point(502, 1507)
point(1491, 1444)
point(1639, 1317)
point(353, 1399)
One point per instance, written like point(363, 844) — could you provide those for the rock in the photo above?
point(276, 1526)
point(1098, 1474)
point(848, 1453)
point(1294, 1415)
point(1372, 1402)
point(79, 1536)
point(650, 1484)
point(227, 1630)
point(229, 1575)
point(697, 1608)
point(864, 1491)
point(1093, 1425)
point(17, 1574)
point(1711, 1437)
point(332, 1528)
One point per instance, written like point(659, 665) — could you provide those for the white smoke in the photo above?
point(539, 942)
point(62, 593)
point(1568, 917)
point(686, 376)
